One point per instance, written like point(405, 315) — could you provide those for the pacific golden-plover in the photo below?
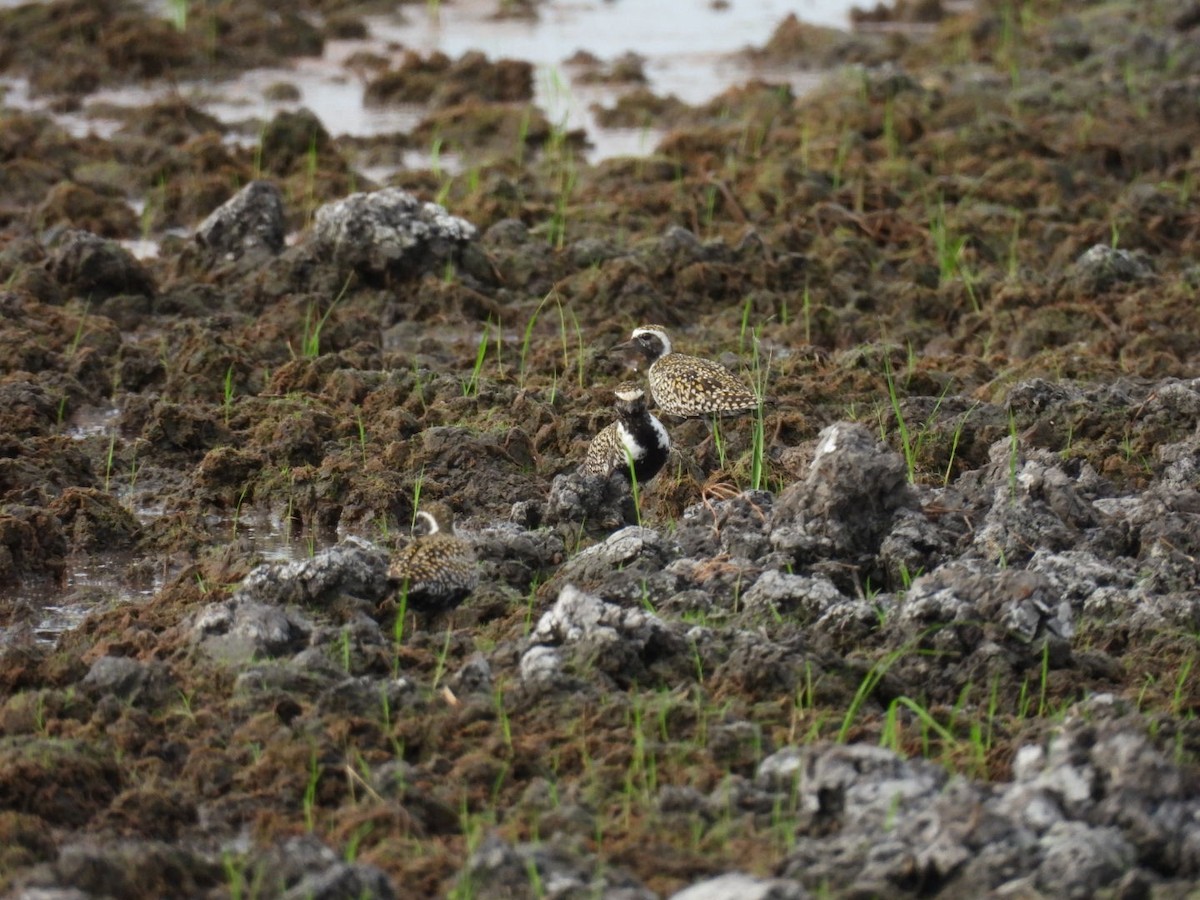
point(436, 571)
point(688, 386)
point(637, 438)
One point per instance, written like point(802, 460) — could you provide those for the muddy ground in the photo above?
point(940, 639)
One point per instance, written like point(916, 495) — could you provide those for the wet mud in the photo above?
point(926, 626)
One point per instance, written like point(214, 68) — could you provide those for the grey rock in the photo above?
point(724, 581)
point(1082, 811)
point(597, 504)
point(303, 868)
point(1068, 781)
point(960, 597)
point(866, 786)
point(1116, 792)
point(1037, 395)
point(506, 233)
point(914, 544)
point(1076, 575)
point(514, 555)
point(475, 676)
point(627, 566)
point(1034, 504)
point(540, 663)
point(1182, 465)
point(738, 526)
point(128, 679)
point(754, 662)
point(691, 600)
point(364, 696)
point(272, 678)
point(342, 882)
point(578, 616)
point(591, 251)
point(125, 868)
point(736, 886)
point(389, 232)
point(679, 245)
point(97, 268)
point(1102, 267)
point(1030, 807)
point(1079, 859)
point(353, 567)
point(249, 226)
point(944, 840)
point(616, 641)
point(853, 618)
point(1145, 613)
point(1166, 523)
point(238, 631)
point(506, 871)
point(1172, 402)
point(802, 596)
point(847, 502)
point(866, 792)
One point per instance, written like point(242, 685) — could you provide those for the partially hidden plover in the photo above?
point(436, 569)
point(688, 386)
point(637, 439)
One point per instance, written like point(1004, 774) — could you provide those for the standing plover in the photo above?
point(437, 569)
point(637, 438)
point(688, 386)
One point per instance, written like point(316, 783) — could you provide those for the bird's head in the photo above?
point(650, 341)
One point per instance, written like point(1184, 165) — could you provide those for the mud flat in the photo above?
point(927, 626)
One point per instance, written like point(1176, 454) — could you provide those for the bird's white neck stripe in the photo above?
point(629, 442)
point(663, 439)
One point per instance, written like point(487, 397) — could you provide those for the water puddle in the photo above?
point(89, 421)
point(45, 608)
point(99, 581)
point(690, 48)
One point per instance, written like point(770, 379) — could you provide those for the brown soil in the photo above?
point(918, 223)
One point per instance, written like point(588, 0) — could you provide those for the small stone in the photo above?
point(250, 225)
point(388, 233)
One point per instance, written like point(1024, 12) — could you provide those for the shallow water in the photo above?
point(690, 49)
point(688, 44)
point(101, 580)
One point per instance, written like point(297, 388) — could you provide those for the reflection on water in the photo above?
point(689, 47)
point(89, 421)
point(101, 581)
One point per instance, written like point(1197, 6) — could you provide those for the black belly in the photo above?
point(654, 454)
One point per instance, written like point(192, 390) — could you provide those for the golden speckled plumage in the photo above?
point(685, 385)
point(604, 453)
point(438, 568)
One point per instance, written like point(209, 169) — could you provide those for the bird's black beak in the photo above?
point(623, 347)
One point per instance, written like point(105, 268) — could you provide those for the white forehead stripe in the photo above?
point(658, 333)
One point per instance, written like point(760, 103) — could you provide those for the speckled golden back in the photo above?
point(438, 570)
point(690, 386)
point(603, 453)
point(685, 385)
